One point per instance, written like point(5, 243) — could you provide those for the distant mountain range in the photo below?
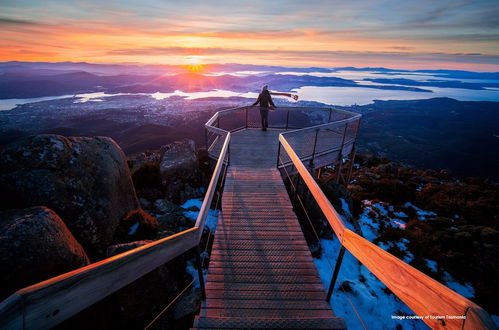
point(37, 79)
point(439, 133)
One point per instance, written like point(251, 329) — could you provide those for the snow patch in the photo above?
point(422, 214)
point(465, 290)
point(356, 286)
point(211, 219)
point(133, 228)
point(433, 265)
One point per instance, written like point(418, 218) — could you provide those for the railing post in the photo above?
point(330, 113)
point(340, 155)
point(246, 117)
point(199, 265)
point(352, 159)
point(287, 120)
point(206, 138)
point(335, 273)
point(311, 163)
point(296, 183)
point(278, 153)
point(228, 154)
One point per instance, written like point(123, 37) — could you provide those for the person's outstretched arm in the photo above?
point(294, 96)
point(271, 102)
point(257, 100)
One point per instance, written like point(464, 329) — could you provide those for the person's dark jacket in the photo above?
point(264, 99)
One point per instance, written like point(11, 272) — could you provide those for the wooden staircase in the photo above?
point(261, 272)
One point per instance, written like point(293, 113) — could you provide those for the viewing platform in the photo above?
point(261, 272)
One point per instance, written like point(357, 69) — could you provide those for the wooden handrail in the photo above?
point(331, 215)
point(424, 295)
point(205, 207)
point(48, 303)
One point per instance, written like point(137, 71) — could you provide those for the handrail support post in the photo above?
point(278, 153)
point(335, 273)
point(311, 163)
point(199, 266)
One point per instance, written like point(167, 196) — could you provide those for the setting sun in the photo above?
point(194, 59)
point(194, 63)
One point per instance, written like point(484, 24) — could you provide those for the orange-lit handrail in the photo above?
point(48, 303)
point(205, 207)
point(424, 295)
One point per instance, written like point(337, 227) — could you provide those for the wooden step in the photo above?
point(268, 323)
point(261, 272)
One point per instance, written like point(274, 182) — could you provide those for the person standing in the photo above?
point(266, 103)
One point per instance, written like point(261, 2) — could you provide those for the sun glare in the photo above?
point(194, 63)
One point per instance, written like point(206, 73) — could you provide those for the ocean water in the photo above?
point(337, 95)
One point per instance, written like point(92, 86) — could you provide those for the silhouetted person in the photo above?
point(265, 101)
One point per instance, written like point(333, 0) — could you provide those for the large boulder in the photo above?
point(179, 170)
point(157, 288)
point(35, 245)
point(85, 180)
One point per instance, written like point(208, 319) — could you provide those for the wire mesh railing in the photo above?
point(427, 298)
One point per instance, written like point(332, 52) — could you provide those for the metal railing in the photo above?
point(48, 303)
point(424, 295)
point(331, 122)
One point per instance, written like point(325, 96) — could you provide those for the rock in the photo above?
point(136, 225)
point(169, 222)
point(334, 192)
point(85, 180)
point(35, 245)
point(145, 203)
point(151, 194)
point(174, 222)
point(187, 304)
point(147, 176)
point(165, 206)
point(180, 192)
point(137, 160)
point(123, 247)
point(157, 288)
point(179, 168)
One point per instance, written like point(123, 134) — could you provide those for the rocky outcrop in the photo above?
point(136, 225)
point(35, 245)
point(175, 172)
point(85, 180)
point(179, 170)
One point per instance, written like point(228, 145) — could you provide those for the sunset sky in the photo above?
point(423, 34)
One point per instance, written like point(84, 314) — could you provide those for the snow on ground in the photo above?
point(359, 292)
point(133, 228)
point(211, 219)
point(359, 297)
point(432, 265)
point(465, 290)
point(495, 318)
point(422, 214)
point(211, 223)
